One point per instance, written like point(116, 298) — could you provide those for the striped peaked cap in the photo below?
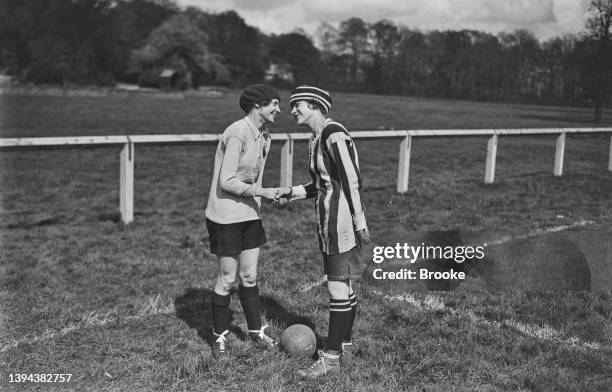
point(310, 93)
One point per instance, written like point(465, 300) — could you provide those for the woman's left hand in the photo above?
point(364, 236)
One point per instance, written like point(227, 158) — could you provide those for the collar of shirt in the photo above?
point(318, 135)
point(256, 132)
point(326, 123)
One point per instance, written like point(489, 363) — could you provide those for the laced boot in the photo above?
point(220, 346)
point(327, 363)
point(260, 340)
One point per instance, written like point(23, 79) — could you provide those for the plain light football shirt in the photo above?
point(237, 176)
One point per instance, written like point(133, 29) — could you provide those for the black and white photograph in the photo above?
point(321, 195)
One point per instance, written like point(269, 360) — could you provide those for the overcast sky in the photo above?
point(545, 18)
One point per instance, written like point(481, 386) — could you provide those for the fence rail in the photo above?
point(126, 176)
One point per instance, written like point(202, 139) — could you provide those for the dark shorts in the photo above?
point(343, 266)
point(232, 238)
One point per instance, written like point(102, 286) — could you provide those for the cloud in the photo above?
point(434, 12)
point(261, 5)
point(510, 11)
point(369, 11)
point(546, 18)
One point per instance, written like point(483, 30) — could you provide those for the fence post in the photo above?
point(403, 171)
point(126, 183)
point(559, 152)
point(491, 158)
point(610, 156)
point(286, 168)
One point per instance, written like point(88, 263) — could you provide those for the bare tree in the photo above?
point(599, 24)
point(327, 39)
point(353, 38)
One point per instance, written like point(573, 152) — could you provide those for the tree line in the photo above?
point(108, 41)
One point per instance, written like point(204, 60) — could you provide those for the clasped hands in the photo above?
point(275, 194)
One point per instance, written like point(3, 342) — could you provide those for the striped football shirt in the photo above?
point(336, 187)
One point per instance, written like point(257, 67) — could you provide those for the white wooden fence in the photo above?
point(126, 177)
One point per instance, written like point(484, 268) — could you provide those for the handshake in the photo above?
point(275, 194)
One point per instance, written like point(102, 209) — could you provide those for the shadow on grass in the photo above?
point(555, 117)
point(275, 312)
point(32, 223)
point(194, 308)
point(532, 262)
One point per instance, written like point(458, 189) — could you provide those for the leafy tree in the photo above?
point(241, 47)
point(130, 23)
point(75, 41)
point(56, 42)
point(179, 44)
point(19, 24)
point(297, 51)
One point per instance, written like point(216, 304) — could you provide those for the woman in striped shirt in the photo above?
point(341, 222)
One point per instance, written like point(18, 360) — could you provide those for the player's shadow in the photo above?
point(275, 312)
point(195, 309)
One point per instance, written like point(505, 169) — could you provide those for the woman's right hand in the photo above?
point(269, 193)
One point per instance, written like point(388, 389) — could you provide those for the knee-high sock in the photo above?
point(220, 312)
point(353, 313)
point(339, 317)
point(249, 299)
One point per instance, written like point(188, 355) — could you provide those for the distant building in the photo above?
point(279, 71)
point(168, 79)
point(5, 79)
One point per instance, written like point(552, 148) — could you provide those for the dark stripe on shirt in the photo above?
point(320, 207)
point(332, 224)
point(351, 149)
point(343, 178)
point(352, 153)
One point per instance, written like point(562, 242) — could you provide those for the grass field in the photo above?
point(127, 307)
point(26, 115)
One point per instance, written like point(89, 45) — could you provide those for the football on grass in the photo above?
point(299, 341)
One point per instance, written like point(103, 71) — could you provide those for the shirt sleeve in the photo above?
point(300, 192)
point(267, 144)
point(227, 174)
point(344, 156)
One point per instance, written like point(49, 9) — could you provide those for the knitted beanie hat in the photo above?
point(257, 93)
point(310, 93)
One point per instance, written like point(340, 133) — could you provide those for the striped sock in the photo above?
point(349, 327)
point(220, 312)
point(339, 317)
